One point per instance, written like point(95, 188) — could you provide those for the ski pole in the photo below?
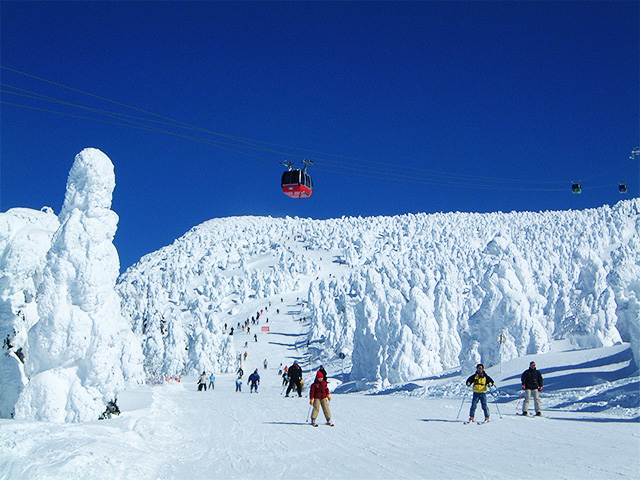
point(463, 399)
point(519, 398)
point(309, 412)
point(495, 400)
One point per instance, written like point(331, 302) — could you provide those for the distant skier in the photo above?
point(532, 385)
point(319, 396)
point(202, 382)
point(255, 337)
point(265, 363)
point(240, 372)
point(212, 381)
point(254, 380)
point(480, 381)
point(239, 384)
point(295, 377)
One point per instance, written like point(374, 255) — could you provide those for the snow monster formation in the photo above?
point(81, 351)
point(25, 239)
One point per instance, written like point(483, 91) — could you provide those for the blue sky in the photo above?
point(405, 107)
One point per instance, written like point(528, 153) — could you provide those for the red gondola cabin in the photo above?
point(297, 183)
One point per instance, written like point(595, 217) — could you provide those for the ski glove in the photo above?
point(523, 387)
point(540, 389)
point(311, 402)
point(329, 397)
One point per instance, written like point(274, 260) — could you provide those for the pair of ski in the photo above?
point(467, 422)
point(329, 424)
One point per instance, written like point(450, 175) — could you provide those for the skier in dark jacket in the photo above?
point(532, 385)
point(295, 376)
point(480, 381)
point(254, 380)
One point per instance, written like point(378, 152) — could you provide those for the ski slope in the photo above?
point(410, 431)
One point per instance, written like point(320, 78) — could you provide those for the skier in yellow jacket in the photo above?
point(480, 381)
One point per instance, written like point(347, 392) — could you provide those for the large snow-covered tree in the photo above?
point(81, 351)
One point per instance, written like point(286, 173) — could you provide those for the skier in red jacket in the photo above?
point(319, 396)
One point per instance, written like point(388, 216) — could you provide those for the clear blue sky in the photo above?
point(405, 107)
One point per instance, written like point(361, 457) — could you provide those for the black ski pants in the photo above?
point(298, 386)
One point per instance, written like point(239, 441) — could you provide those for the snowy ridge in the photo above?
point(406, 297)
point(179, 298)
point(592, 380)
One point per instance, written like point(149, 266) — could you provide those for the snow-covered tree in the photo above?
point(81, 351)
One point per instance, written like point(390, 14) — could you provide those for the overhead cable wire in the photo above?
point(248, 143)
point(356, 167)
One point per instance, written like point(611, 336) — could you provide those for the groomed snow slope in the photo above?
point(173, 431)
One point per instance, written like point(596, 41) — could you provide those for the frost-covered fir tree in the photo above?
point(25, 239)
point(511, 309)
point(81, 351)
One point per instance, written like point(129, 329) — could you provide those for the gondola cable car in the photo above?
point(297, 183)
point(576, 187)
point(622, 188)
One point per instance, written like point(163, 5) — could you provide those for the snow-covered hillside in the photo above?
point(403, 297)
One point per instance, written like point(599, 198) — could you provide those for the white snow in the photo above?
point(411, 302)
point(410, 431)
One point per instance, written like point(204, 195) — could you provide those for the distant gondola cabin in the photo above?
point(297, 184)
point(622, 188)
point(576, 188)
